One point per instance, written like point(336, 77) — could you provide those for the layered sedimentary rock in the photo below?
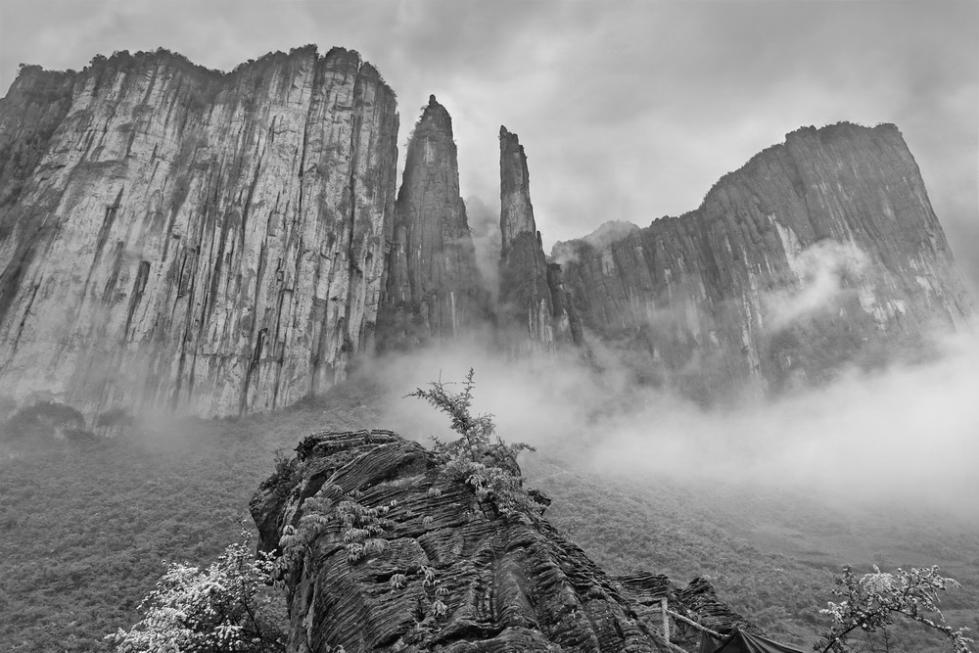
point(533, 304)
point(433, 288)
point(819, 253)
point(178, 237)
point(505, 583)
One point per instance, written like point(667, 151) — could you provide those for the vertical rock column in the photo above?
point(433, 288)
point(534, 307)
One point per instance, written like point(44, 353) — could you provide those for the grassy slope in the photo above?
point(83, 531)
point(773, 557)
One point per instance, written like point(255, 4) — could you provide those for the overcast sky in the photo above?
point(628, 110)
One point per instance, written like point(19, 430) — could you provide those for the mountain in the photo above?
point(819, 253)
point(386, 552)
point(174, 238)
point(179, 238)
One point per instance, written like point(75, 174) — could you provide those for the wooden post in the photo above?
point(666, 619)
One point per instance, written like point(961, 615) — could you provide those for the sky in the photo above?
point(628, 110)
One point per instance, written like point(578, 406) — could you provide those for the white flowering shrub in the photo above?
point(873, 601)
point(226, 607)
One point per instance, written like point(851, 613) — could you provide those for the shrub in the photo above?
point(226, 607)
point(872, 602)
point(489, 467)
point(46, 420)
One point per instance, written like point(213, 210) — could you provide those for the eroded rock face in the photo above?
point(819, 253)
point(181, 238)
point(534, 308)
point(433, 289)
point(507, 583)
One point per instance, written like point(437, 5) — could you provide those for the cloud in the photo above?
point(905, 434)
point(484, 223)
point(825, 270)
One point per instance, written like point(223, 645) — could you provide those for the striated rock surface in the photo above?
point(534, 307)
point(506, 583)
point(433, 289)
point(177, 237)
point(819, 253)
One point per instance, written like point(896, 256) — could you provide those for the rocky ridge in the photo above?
point(504, 582)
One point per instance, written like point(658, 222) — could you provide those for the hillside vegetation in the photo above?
point(85, 527)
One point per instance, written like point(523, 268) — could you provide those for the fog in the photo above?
point(906, 434)
point(484, 225)
point(823, 269)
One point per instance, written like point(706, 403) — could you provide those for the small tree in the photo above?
point(873, 601)
point(226, 607)
point(488, 466)
point(476, 431)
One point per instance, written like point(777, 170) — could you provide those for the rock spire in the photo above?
point(534, 308)
point(433, 287)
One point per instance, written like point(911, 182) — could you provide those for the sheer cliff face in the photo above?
point(433, 288)
point(534, 309)
point(177, 237)
point(820, 252)
point(173, 237)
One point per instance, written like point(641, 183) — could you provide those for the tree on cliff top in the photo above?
point(489, 467)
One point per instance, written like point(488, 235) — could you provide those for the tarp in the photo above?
point(739, 641)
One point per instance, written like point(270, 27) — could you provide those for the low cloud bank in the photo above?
point(908, 434)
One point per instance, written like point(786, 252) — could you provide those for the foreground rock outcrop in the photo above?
point(433, 289)
point(505, 583)
point(175, 237)
point(819, 253)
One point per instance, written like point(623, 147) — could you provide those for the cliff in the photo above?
point(819, 253)
point(535, 312)
point(177, 237)
point(441, 570)
point(433, 289)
